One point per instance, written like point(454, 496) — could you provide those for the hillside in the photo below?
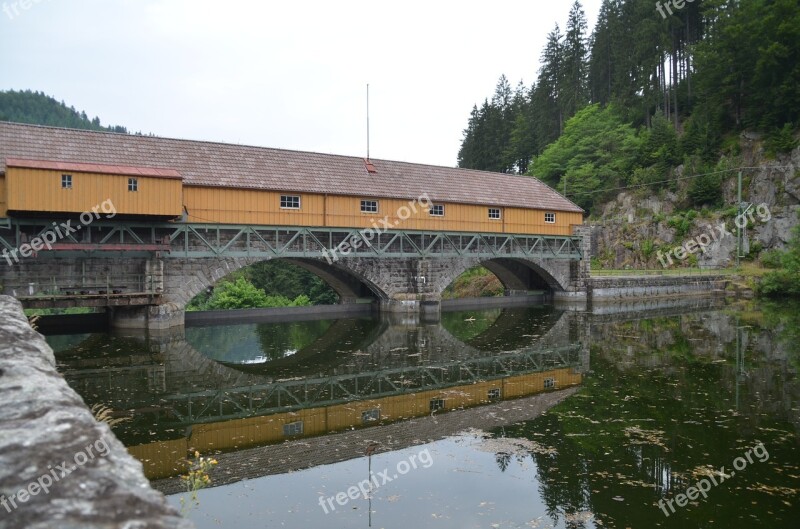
point(38, 108)
point(646, 100)
point(647, 121)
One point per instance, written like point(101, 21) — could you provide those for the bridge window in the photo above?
point(66, 181)
point(437, 210)
point(293, 428)
point(437, 404)
point(494, 393)
point(290, 201)
point(369, 206)
point(549, 383)
point(133, 184)
point(494, 213)
point(550, 218)
point(370, 415)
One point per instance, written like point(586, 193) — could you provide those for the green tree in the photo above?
point(40, 109)
point(596, 152)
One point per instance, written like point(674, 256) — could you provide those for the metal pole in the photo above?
point(367, 121)
point(738, 229)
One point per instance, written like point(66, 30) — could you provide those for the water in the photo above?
point(640, 404)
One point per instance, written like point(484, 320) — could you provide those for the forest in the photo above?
point(37, 108)
point(642, 94)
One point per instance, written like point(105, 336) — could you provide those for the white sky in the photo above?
point(288, 74)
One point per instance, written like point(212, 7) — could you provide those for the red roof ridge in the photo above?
point(84, 167)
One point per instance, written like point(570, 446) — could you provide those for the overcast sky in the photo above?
point(289, 74)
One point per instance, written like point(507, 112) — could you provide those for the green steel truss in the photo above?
point(184, 240)
point(232, 403)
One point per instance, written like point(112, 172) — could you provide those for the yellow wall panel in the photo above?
point(161, 459)
point(238, 206)
point(3, 202)
point(41, 190)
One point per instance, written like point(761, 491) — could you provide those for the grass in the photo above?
point(664, 272)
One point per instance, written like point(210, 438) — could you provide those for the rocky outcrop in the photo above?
point(634, 226)
point(59, 467)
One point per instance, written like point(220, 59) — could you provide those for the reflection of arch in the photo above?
point(326, 349)
point(519, 327)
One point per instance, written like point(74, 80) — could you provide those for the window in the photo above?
point(549, 383)
point(437, 404)
point(66, 181)
point(494, 213)
point(550, 218)
point(133, 184)
point(370, 415)
point(494, 393)
point(290, 202)
point(369, 206)
point(437, 210)
point(293, 428)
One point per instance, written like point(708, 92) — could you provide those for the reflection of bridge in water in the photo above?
point(357, 372)
point(354, 359)
point(282, 396)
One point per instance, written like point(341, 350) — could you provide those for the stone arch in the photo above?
point(515, 274)
point(186, 278)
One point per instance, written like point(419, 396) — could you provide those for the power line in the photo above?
point(687, 177)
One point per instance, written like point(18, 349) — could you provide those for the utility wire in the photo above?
point(687, 177)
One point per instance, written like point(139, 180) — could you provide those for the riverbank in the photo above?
point(59, 467)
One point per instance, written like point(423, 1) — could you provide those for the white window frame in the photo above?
point(494, 394)
point(549, 383)
point(287, 202)
point(436, 208)
point(551, 216)
point(369, 205)
point(133, 184)
point(293, 428)
point(66, 181)
point(371, 415)
point(436, 404)
point(499, 214)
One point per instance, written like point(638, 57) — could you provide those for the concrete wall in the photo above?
point(620, 288)
point(72, 470)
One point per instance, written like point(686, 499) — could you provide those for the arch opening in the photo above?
point(501, 277)
point(282, 282)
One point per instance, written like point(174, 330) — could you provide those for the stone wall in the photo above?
point(59, 467)
point(648, 287)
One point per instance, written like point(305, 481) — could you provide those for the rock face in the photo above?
point(59, 467)
point(634, 226)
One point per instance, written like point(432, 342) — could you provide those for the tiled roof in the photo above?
point(203, 163)
point(73, 167)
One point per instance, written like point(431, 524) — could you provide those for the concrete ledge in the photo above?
point(277, 314)
point(74, 473)
point(617, 288)
point(496, 301)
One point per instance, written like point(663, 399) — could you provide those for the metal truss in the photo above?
point(193, 240)
point(181, 240)
point(279, 397)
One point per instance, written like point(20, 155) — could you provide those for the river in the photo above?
point(671, 413)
